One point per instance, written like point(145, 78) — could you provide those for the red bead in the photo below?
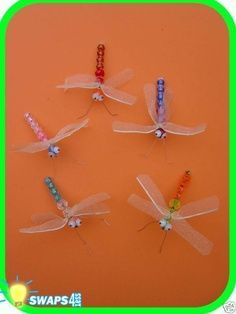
point(100, 53)
point(100, 59)
point(99, 66)
point(100, 79)
point(99, 72)
point(101, 46)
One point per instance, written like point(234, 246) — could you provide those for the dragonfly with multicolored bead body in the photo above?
point(156, 104)
point(174, 215)
point(71, 216)
point(45, 143)
point(103, 87)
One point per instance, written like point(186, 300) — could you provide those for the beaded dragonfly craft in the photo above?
point(173, 216)
point(155, 100)
point(90, 206)
point(103, 88)
point(45, 143)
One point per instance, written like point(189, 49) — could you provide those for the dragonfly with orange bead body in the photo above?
point(157, 108)
point(174, 216)
point(103, 87)
point(71, 216)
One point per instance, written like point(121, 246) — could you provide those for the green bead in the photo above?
point(47, 180)
point(54, 191)
point(174, 204)
point(57, 197)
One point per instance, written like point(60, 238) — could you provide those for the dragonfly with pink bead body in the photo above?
point(173, 216)
point(156, 104)
point(45, 143)
point(103, 87)
point(71, 216)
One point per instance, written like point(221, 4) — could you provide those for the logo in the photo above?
point(44, 300)
point(20, 294)
point(229, 307)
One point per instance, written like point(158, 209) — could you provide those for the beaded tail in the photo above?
point(41, 135)
point(175, 202)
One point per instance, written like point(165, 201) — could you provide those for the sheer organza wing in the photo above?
point(197, 208)
point(123, 127)
point(80, 80)
point(182, 130)
point(195, 238)
point(88, 202)
point(153, 193)
point(32, 147)
point(145, 206)
point(69, 130)
point(120, 78)
point(40, 218)
point(118, 95)
point(150, 97)
point(93, 210)
point(50, 225)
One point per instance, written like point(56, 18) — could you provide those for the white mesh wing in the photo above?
point(118, 95)
point(153, 193)
point(32, 147)
point(145, 206)
point(195, 238)
point(80, 80)
point(68, 131)
point(123, 127)
point(150, 97)
point(39, 218)
point(88, 202)
point(93, 210)
point(120, 78)
point(51, 225)
point(201, 207)
point(182, 130)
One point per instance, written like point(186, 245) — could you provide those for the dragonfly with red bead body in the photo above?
point(156, 104)
point(103, 87)
point(174, 215)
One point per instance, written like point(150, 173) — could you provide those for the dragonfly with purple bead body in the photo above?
point(174, 215)
point(157, 108)
point(45, 143)
point(71, 216)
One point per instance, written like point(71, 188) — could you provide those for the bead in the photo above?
point(78, 222)
point(71, 223)
point(27, 115)
point(168, 227)
point(100, 53)
point(161, 110)
point(47, 180)
point(162, 223)
point(160, 81)
point(160, 96)
point(101, 47)
point(99, 72)
point(174, 204)
point(57, 197)
point(100, 79)
point(62, 204)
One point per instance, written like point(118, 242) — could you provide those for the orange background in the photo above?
point(188, 45)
